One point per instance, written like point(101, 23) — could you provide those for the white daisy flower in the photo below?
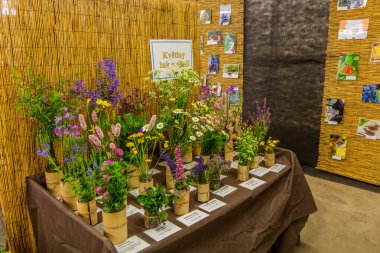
point(195, 127)
point(199, 134)
point(193, 138)
point(195, 119)
point(145, 128)
point(160, 125)
point(177, 111)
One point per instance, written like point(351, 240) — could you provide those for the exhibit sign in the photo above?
point(166, 55)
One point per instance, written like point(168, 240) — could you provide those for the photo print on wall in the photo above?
point(334, 111)
point(369, 128)
point(205, 17)
point(231, 71)
point(348, 67)
point(214, 37)
point(375, 53)
point(225, 14)
point(229, 43)
point(216, 88)
point(371, 93)
point(338, 147)
point(344, 5)
point(234, 96)
point(353, 29)
point(213, 64)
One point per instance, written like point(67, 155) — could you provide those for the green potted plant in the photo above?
point(199, 175)
point(247, 145)
point(212, 144)
point(215, 167)
point(269, 147)
point(154, 202)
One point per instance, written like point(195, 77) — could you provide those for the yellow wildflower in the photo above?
point(103, 103)
point(148, 160)
point(141, 141)
point(134, 151)
point(130, 144)
point(166, 145)
point(88, 101)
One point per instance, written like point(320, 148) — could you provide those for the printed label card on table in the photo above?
point(234, 164)
point(135, 192)
point(212, 205)
point(153, 171)
point(99, 228)
point(192, 217)
point(225, 190)
point(260, 171)
point(162, 231)
point(163, 164)
point(190, 165)
point(252, 183)
point(222, 177)
point(134, 244)
point(131, 210)
point(277, 168)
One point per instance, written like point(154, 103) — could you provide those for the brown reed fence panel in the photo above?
point(237, 27)
point(363, 157)
point(63, 38)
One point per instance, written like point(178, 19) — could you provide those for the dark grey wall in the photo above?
point(285, 50)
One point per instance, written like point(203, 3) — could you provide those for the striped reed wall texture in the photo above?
point(363, 157)
point(236, 26)
point(63, 38)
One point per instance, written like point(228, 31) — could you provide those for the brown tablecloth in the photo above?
point(269, 217)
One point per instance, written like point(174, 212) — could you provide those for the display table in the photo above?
point(269, 217)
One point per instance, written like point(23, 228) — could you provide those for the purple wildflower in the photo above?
point(57, 120)
point(199, 168)
point(169, 162)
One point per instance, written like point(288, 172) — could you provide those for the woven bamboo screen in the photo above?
point(363, 159)
point(237, 27)
point(62, 38)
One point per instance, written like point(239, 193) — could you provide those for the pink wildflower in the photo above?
point(82, 122)
point(98, 132)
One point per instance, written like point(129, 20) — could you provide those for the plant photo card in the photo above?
point(371, 93)
point(213, 64)
point(369, 128)
point(202, 46)
point(216, 88)
point(206, 17)
point(334, 111)
point(338, 147)
point(231, 71)
point(375, 53)
point(214, 37)
point(234, 96)
point(344, 5)
point(353, 29)
point(229, 43)
point(348, 67)
point(225, 14)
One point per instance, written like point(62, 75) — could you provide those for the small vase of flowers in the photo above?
point(269, 146)
point(154, 202)
point(200, 176)
point(215, 167)
point(246, 145)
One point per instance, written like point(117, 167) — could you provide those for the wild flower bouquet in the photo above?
point(216, 166)
point(143, 144)
point(260, 121)
point(247, 145)
point(269, 145)
point(199, 173)
point(177, 169)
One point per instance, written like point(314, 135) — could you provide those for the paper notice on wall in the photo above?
point(225, 190)
point(252, 183)
point(260, 171)
point(212, 205)
point(162, 231)
point(134, 244)
point(192, 217)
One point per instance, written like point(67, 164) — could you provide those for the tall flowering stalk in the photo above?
point(260, 121)
point(179, 174)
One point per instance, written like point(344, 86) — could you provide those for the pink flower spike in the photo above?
point(115, 130)
point(95, 142)
point(152, 122)
point(98, 132)
point(108, 162)
point(112, 145)
point(94, 117)
point(82, 122)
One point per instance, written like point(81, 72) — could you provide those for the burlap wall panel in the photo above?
point(285, 44)
point(363, 159)
point(63, 38)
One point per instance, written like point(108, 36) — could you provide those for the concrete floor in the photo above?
point(347, 221)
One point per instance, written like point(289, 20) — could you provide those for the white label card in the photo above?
point(261, 158)
point(277, 168)
point(99, 227)
point(335, 157)
point(135, 192)
point(190, 165)
point(223, 177)
point(225, 190)
point(153, 172)
point(192, 217)
point(131, 210)
point(236, 153)
point(134, 244)
point(212, 205)
point(260, 171)
point(163, 164)
point(370, 137)
point(234, 164)
point(252, 183)
point(332, 122)
point(162, 231)
point(98, 210)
